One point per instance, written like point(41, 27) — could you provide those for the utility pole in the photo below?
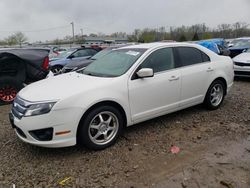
point(82, 34)
point(73, 31)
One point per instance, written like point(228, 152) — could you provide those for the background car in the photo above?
point(69, 56)
point(242, 64)
point(216, 45)
point(76, 65)
point(55, 51)
point(19, 67)
point(240, 46)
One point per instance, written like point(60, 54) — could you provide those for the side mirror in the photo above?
point(145, 73)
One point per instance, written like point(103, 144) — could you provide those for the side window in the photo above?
point(91, 51)
point(191, 56)
point(160, 60)
point(81, 53)
point(205, 57)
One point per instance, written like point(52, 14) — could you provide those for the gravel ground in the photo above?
point(214, 152)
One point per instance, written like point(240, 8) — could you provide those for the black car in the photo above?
point(74, 66)
point(19, 67)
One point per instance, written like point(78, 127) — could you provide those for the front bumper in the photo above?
point(242, 71)
point(65, 120)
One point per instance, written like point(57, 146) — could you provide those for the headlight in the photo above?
point(39, 109)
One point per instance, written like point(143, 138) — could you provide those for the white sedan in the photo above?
point(242, 64)
point(129, 85)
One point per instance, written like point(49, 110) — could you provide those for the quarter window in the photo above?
point(160, 60)
point(191, 56)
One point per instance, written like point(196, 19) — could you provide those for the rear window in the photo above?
point(190, 56)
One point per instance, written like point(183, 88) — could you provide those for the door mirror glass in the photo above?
point(145, 72)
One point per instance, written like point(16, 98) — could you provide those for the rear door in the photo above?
point(195, 71)
point(157, 95)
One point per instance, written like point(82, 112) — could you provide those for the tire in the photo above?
point(9, 87)
point(215, 95)
point(57, 69)
point(105, 120)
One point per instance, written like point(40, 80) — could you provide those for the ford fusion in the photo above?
point(127, 86)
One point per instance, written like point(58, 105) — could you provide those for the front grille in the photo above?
point(245, 73)
point(242, 64)
point(19, 107)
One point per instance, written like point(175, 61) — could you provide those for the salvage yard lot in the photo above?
point(214, 152)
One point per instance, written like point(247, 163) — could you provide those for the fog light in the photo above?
point(42, 134)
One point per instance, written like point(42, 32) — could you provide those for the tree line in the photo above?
point(190, 33)
point(182, 33)
point(17, 38)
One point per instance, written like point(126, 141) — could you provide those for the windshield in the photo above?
point(242, 43)
point(115, 63)
point(100, 54)
point(65, 53)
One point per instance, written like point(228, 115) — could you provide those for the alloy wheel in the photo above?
point(103, 128)
point(216, 95)
point(7, 93)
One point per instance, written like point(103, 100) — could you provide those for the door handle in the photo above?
point(173, 78)
point(210, 69)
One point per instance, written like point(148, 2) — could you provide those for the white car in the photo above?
point(242, 64)
point(129, 85)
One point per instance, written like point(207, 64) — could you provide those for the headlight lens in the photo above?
point(39, 109)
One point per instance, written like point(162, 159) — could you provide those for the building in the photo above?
point(104, 40)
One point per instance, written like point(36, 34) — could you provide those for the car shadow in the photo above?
point(242, 79)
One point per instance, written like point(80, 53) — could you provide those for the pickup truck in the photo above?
point(19, 67)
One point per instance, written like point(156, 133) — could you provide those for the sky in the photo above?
point(42, 20)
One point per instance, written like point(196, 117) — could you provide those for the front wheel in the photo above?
point(215, 95)
point(100, 128)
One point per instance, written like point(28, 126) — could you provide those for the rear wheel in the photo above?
point(215, 95)
point(100, 128)
point(9, 88)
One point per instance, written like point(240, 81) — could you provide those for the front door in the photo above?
point(157, 95)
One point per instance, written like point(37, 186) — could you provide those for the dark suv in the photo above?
point(19, 67)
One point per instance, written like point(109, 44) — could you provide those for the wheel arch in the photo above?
point(102, 103)
point(224, 82)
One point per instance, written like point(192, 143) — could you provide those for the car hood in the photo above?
point(62, 86)
point(239, 48)
point(243, 58)
point(79, 63)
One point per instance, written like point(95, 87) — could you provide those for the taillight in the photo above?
point(46, 63)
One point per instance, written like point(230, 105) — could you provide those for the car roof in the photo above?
point(158, 44)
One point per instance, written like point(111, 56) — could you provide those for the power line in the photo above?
point(38, 30)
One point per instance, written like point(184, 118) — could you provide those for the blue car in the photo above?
point(69, 56)
point(217, 45)
point(209, 45)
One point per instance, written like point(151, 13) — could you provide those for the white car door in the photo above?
point(195, 70)
point(157, 95)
